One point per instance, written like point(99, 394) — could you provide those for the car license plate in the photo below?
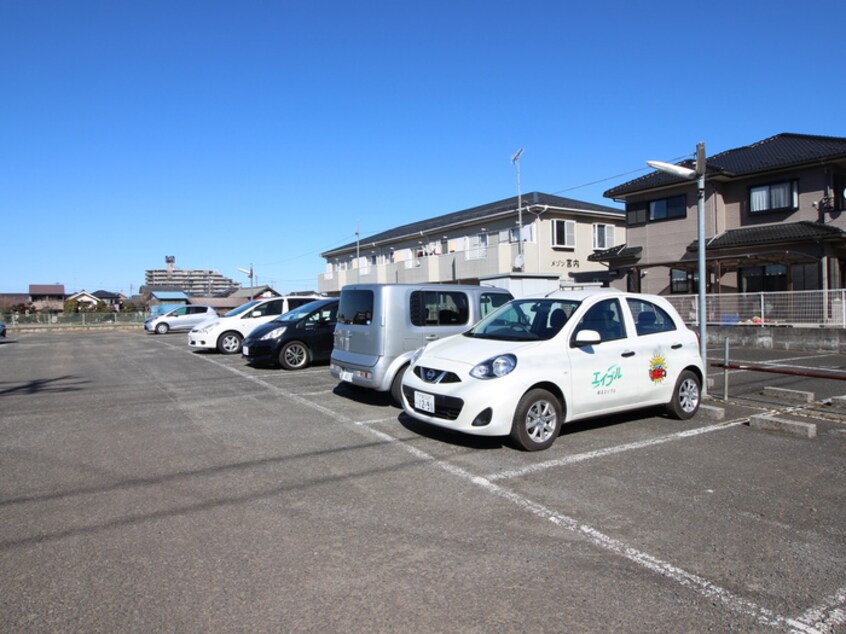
point(424, 402)
point(347, 376)
point(245, 350)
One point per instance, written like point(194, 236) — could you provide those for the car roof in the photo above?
point(583, 294)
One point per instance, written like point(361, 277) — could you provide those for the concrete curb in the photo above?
point(767, 422)
point(791, 396)
point(712, 412)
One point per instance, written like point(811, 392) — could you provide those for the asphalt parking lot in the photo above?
point(145, 486)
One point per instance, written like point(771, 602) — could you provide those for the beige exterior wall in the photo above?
point(400, 262)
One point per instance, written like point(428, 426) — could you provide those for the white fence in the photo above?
point(794, 308)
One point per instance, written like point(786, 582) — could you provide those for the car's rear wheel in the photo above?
point(537, 420)
point(162, 328)
point(686, 396)
point(294, 355)
point(229, 343)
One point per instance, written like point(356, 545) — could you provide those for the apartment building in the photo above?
point(546, 235)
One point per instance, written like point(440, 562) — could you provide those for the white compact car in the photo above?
point(226, 333)
point(536, 363)
point(180, 318)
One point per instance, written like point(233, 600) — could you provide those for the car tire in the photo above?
point(537, 420)
point(229, 343)
point(396, 386)
point(294, 355)
point(687, 394)
point(162, 328)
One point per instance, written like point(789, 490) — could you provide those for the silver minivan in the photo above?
point(381, 325)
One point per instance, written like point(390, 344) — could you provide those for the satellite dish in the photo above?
point(518, 262)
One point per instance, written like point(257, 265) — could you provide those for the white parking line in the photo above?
point(320, 393)
point(599, 453)
point(377, 421)
point(828, 615)
point(830, 610)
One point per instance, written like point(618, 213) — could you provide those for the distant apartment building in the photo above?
point(546, 235)
point(190, 281)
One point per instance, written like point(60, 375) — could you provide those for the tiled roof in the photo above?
point(253, 291)
point(508, 205)
point(46, 289)
point(620, 252)
point(169, 295)
point(770, 234)
point(106, 295)
point(783, 150)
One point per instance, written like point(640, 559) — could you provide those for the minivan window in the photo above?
point(241, 308)
point(438, 308)
point(525, 320)
point(356, 308)
point(269, 308)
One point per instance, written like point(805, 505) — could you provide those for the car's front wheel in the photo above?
point(229, 343)
point(686, 396)
point(537, 420)
point(294, 356)
point(396, 386)
point(162, 328)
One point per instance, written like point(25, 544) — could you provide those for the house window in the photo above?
point(668, 208)
point(773, 197)
point(636, 214)
point(603, 236)
point(683, 282)
point(756, 279)
point(564, 233)
point(477, 247)
point(805, 277)
point(528, 232)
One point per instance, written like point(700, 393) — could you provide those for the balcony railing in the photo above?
point(430, 268)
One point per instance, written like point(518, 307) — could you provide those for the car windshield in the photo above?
point(300, 312)
point(242, 308)
point(525, 320)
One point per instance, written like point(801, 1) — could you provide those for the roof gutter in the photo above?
point(494, 216)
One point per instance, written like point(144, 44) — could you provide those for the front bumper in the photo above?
point(260, 352)
point(203, 340)
point(458, 405)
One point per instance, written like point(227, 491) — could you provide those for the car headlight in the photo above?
point(274, 334)
point(206, 328)
point(417, 354)
point(495, 367)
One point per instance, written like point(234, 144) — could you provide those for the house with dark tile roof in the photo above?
point(534, 235)
point(47, 297)
point(775, 219)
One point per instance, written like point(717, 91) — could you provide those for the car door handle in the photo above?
point(628, 353)
point(676, 346)
point(430, 337)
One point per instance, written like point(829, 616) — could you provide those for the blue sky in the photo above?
point(231, 133)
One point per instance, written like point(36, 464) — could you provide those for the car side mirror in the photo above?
point(256, 313)
point(587, 338)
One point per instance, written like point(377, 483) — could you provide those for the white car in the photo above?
point(226, 333)
point(180, 318)
point(536, 363)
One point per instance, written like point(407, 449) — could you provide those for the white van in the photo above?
point(381, 325)
point(226, 333)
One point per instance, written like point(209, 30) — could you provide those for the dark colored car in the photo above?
point(2, 330)
point(295, 339)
